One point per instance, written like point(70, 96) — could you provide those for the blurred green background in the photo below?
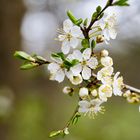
point(30, 105)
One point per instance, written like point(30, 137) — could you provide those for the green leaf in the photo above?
point(28, 66)
point(40, 59)
point(85, 22)
point(85, 43)
point(71, 16)
point(76, 118)
point(74, 62)
point(121, 3)
point(24, 56)
point(55, 133)
point(58, 55)
point(94, 15)
point(79, 22)
point(93, 44)
point(98, 9)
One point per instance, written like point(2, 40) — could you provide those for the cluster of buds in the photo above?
point(131, 97)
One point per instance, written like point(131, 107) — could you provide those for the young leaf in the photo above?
point(85, 43)
point(79, 22)
point(58, 55)
point(121, 3)
point(55, 133)
point(94, 15)
point(93, 44)
point(98, 9)
point(40, 59)
point(24, 56)
point(71, 16)
point(85, 22)
point(28, 66)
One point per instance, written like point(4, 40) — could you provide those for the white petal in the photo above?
point(87, 54)
point(83, 110)
point(69, 74)
point(77, 55)
point(103, 96)
point(102, 25)
point(96, 102)
point(70, 57)
point(53, 67)
point(106, 34)
point(65, 47)
point(112, 33)
point(67, 25)
point(74, 42)
point(60, 75)
point(86, 73)
point(92, 62)
point(84, 104)
point(75, 31)
point(76, 69)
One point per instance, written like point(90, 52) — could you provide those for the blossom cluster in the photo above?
point(93, 72)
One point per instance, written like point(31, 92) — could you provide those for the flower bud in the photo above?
point(104, 53)
point(94, 92)
point(100, 39)
point(106, 61)
point(67, 90)
point(83, 92)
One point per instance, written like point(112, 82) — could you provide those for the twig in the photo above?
point(132, 89)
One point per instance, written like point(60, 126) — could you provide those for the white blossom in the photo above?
point(106, 61)
point(108, 27)
point(83, 92)
point(117, 85)
point(69, 36)
point(105, 91)
point(90, 108)
point(86, 63)
point(56, 70)
point(104, 75)
point(75, 80)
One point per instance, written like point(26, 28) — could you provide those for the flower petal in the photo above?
point(84, 104)
point(53, 67)
point(87, 54)
point(76, 69)
point(76, 31)
point(67, 25)
point(74, 42)
point(60, 75)
point(112, 33)
point(77, 55)
point(92, 62)
point(86, 73)
point(65, 47)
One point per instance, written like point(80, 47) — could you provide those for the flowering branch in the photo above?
point(91, 73)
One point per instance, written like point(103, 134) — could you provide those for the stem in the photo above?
point(72, 117)
point(132, 89)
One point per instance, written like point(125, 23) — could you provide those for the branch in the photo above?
point(132, 89)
